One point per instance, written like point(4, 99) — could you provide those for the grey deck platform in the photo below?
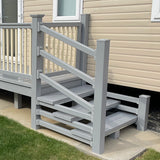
point(23, 85)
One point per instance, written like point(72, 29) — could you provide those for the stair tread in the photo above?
point(62, 78)
point(109, 104)
point(113, 123)
point(118, 121)
point(59, 98)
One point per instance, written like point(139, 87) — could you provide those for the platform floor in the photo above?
point(130, 143)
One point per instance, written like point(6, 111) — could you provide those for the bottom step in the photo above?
point(111, 103)
point(114, 122)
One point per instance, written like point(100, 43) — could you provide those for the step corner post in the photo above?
point(37, 64)
point(83, 31)
point(143, 111)
point(100, 94)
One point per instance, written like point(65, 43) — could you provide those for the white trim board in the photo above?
point(155, 14)
point(79, 8)
point(20, 20)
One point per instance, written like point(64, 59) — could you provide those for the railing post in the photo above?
point(81, 58)
point(143, 110)
point(37, 65)
point(101, 79)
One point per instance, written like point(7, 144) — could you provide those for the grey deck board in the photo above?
point(62, 78)
point(81, 134)
point(114, 122)
point(118, 121)
point(59, 98)
point(109, 104)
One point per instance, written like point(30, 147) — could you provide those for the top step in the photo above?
point(59, 98)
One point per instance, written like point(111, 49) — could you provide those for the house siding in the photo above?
point(135, 41)
point(38, 7)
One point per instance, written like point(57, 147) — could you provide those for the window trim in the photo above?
point(79, 4)
point(19, 20)
point(155, 14)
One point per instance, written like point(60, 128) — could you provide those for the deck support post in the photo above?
point(17, 101)
point(115, 135)
point(143, 110)
point(37, 65)
point(100, 94)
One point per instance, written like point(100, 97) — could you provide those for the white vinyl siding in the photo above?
point(135, 41)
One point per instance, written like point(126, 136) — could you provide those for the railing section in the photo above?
point(59, 49)
point(15, 52)
point(99, 83)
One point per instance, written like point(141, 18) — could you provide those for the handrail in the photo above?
point(62, 24)
point(66, 66)
point(67, 40)
point(15, 25)
point(123, 97)
point(66, 92)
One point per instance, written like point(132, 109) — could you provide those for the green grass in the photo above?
point(20, 143)
point(150, 154)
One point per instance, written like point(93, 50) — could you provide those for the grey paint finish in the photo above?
point(17, 101)
point(59, 98)
point(67, 40)
point(143, 110)
point(84, 40)
point(61, 130)
point(37, 64)
point(74, 124)
point(100, 94)
point(66, 66)
point(67, 92)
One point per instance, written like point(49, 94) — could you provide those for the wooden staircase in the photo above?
point(75, 114)
point(80, 105)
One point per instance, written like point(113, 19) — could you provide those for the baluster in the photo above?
point(7, 42)
point(11, 40)
point(16, 50)
point(4, 48)
point(30, 46)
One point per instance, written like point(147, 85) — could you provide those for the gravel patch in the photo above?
point(154, 121)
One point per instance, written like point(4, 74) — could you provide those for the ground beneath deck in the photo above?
point(130, 143)
point(154, 121)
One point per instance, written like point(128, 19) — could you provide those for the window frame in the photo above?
point(155, 13)
point(19, 20)
point(79, 4)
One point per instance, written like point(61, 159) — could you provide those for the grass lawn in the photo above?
point(20, 143)
point(150, 154)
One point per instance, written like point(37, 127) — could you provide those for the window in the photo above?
point(155, 15)
point(67, 10)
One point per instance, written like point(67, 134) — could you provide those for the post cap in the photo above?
point(37, 15)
